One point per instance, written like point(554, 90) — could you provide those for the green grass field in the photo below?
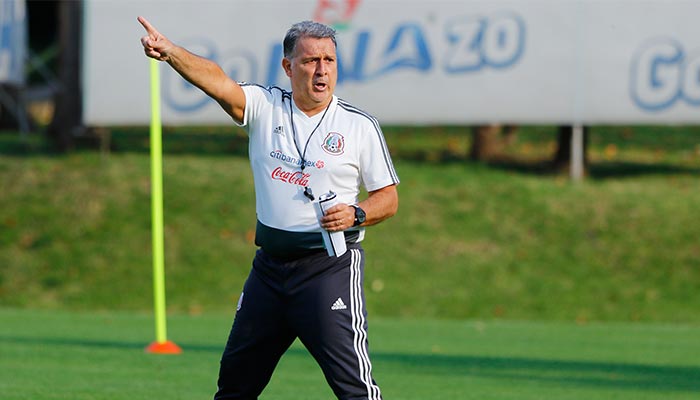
point(495, 281)
point(75, 356)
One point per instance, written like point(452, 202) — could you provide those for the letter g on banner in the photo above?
point(663, 73)
point(691, 79)
point(656, 76)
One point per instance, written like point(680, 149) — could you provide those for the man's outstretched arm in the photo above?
point(199, 71)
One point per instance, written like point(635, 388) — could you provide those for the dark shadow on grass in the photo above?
point(570, 373)
point(599, 170)
point(567, 373)
point(214, 141)
point(231, 140)
point(560, 372)
point(631, 169)
point(102, 344)
point(544, 167)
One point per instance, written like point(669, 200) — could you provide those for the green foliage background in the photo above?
point(508, 239)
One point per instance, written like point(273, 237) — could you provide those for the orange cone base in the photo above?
point(166, 347)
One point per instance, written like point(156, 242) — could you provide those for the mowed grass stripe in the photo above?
point(68, 355)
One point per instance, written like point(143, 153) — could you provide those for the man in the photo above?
point(302, 143)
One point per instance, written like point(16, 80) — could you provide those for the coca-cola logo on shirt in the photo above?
point(291, 177)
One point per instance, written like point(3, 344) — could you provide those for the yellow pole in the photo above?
point(161, 345)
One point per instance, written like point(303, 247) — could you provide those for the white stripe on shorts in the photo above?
point(358, 326)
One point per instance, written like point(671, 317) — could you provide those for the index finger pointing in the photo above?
point(149, 28)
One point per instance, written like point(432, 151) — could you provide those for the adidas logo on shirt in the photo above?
point(279, 130)
point(339, 305)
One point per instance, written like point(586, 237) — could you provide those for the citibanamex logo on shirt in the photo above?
point(291, 177)
point(291, 160)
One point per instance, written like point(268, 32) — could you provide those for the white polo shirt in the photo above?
point(345, 152)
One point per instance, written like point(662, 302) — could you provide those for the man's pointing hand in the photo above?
point(155, 45)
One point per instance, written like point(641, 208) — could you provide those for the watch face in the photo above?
point(360, 215)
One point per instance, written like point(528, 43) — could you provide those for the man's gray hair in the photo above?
point(302, 29)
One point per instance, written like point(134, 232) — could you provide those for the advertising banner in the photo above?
point(417, 62)
point(13, 41)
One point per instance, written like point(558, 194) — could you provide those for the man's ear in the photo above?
point(287, 66)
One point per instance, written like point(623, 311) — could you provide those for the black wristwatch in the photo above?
point(360, 215)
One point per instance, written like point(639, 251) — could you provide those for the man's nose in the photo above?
point(321, 68)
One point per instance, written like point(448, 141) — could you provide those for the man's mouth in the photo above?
point(320, 86)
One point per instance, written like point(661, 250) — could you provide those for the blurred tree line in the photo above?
point(52, 71)
point(488, 142)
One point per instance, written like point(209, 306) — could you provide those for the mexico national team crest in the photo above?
point(334, 144)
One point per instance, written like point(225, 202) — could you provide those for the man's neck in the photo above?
point(310, 111)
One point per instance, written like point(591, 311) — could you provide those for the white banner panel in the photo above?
point(13, 40)
point(422, 62)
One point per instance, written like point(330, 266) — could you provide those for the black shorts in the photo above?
point(318, 299)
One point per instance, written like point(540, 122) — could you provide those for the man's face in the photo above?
point(313, 72)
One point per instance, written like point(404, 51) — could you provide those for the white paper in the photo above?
point(334, 241)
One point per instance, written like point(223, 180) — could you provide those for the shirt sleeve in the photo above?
point(376, 167)
point(255, 98)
